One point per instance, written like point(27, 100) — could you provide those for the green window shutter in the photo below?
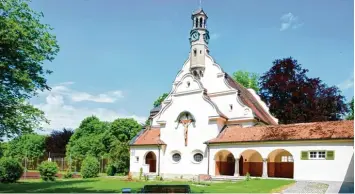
point(304, 155)
point(330, 155)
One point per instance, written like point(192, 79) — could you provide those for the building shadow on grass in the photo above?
point(55, 187)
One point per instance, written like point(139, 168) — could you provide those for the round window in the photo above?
point(176, 157)
point(198, 157)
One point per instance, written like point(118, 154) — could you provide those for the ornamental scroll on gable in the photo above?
point(186, 119)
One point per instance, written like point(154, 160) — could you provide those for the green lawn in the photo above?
point(111, 185)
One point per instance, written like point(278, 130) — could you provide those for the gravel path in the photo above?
point(307, 187)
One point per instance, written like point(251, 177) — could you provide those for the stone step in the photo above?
point(226, 178)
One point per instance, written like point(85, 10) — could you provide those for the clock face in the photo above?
point(195, 36)
point(206, 37)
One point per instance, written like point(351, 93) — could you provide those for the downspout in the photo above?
point(158, 159)
point(208, 159)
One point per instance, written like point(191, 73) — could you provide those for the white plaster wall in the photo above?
point(141, 152)
point(339, 169)
point(238, 110)
point(173, 134)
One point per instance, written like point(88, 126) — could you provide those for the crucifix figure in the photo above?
point(186, 124)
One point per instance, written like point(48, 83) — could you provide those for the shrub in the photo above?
point(48, 170)
point(159, 178)
point(111, 170)
point(69, 174)
point(129, 177)
point(10, 170)
point(90, 167)
point(140, 173)
point(247, 176)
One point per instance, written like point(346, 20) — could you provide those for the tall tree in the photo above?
point(351, 112)
point(160, 99)
point(25, 43)
point(121, 132)
point(247, 79)
point(57, 141)
point(29, 146)
point(88, 139)
point(293, 97)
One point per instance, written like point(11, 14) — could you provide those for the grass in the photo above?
point(111, 185)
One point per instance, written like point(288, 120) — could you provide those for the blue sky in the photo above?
point(118, 56)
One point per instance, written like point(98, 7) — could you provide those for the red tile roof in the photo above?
point(249, 100)
point(149, 137)
point(302, 131)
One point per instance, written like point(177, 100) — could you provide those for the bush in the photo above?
point(111, 170)
point(69, 174)
point(140, 173)
point(10, 170)
point(247, 176)
point(48, 170)
point(90, 167)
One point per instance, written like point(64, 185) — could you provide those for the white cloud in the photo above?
point(347, 84)
point(77, 96)
point(289, 21)
point(215, 36)
point(61, 114)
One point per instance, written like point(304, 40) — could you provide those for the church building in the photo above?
point(211, 125)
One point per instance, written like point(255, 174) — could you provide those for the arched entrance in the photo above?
point(280, 164)
point(151, 160)
point(225, 163)
point(250, 161)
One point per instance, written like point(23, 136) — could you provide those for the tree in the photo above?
point(293, 97)
point(160, 99)
point(351, 113)
point(89, 138)
point(124, 129)
point(25, 44)
point(57, 141)
point(29, 146)
point(121, 132)
point(247, 79)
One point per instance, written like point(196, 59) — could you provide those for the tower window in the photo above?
point(188, 84)
point(230, 107)
point(195, 73)
point(200, 51)
point(195, 52)
point(196, 22)
point(200, 22)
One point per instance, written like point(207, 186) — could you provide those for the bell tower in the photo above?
point(199, 37)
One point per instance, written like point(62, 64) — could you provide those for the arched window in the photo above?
point(196, 22)
point(195, 52)
point(200, 22)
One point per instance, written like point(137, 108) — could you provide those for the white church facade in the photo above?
point(211, 125)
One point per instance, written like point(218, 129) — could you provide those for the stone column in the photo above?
point(265, 168)
point(236, 167)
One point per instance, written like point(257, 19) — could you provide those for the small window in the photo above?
point(286, 159)
point(188, 84)
point(230, 107)
point(317, 155)
point(176, 157)
point(137, 158)
point(321, 154)
point(312, 155)
point(198, 157)
point(200, 51)
point(195, 52)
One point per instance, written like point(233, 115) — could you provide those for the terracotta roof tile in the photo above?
point(249, 100)
point(149, 137)
point(302, 131)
